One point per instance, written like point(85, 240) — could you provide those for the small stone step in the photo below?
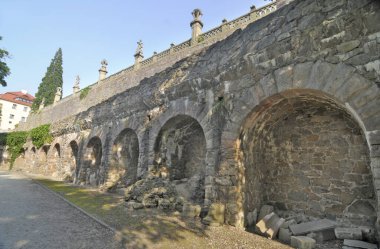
point(312, 226)
point(348, 233)
point(359, 244)
point(302, 242)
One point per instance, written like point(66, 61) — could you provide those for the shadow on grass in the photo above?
point(145, 228)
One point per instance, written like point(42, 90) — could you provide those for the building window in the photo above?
point(14, 106)
point(11, 116)
point(25, 108)
point(23, 119)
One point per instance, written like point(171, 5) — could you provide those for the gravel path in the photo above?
point(31, 217)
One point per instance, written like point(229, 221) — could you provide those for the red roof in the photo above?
point(21, 98)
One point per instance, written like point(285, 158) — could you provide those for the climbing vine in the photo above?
point(84, 92)
point(15, 142)
point(41, 135)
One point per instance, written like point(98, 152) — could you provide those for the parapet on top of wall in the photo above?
point(131, 76)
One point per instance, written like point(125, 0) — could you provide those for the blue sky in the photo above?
point(91, 30)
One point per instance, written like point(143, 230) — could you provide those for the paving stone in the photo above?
point(312, 226)
point(264, 211)
point(359, 244)
point(302, 242)
point(348, 233)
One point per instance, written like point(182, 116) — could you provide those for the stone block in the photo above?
point(261, 226)
point(269, 225)
point(287, 223)
point(312, 226)
point(252, 218)
point(284, 235)
point(264, 211)
point(348, 233)
point(215, 215)
point(302, 242)
point(324, 235)
point(348, 46)
point(359, 244)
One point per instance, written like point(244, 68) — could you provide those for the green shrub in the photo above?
point(15, 142)
point(41, 135)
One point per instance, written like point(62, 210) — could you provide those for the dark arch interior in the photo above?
point(124, 160)
point(91, 171)
point(57, 150)
point(180, 151)
point(307, 155)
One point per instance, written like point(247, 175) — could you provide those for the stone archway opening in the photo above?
point(56, 163)
point(43, 156)
point(91, 172)
point(306, 155)
point(122, 171)
point(72, 161)
point(180, 151)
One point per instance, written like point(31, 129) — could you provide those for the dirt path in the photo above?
point(31, 217)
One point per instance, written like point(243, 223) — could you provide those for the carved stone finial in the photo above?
point(197, 13)
point(139, 56)
point(103, 70)
point(76, 87)
point(139, 49)
point(58, 95)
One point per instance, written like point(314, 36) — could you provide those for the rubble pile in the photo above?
point(304, 232)
point(153, 192)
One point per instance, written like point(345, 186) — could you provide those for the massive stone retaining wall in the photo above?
point(284, 112)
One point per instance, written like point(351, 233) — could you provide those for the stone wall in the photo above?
point(309, 58)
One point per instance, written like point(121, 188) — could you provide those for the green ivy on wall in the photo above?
point(41, 135)
point(15, 142)
point(84, 92)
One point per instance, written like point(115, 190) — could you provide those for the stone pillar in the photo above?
point(196, 26)
point(103, 70)
point(224, 25)
point(42, 104)
point(172, 45)
point(138, 55)
point(58, 95)
point(76, 87)
point(154, 57)
point(252, 13)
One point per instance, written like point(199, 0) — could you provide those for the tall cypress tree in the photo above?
point(50, 82)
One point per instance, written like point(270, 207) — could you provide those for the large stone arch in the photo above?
point(305, 154)
point(123, 160)
point(199, 112)
point(179, 155)
point(340, 84)
point(72, 161)
point(55, 160)
point(90, 172)
point(43, 159)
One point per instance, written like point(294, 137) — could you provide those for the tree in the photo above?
point(4, 69)
point(50, 82)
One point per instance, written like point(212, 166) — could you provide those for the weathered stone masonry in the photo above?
point(285, 112)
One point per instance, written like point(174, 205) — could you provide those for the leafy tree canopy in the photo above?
point(50, 82)
point(4, 69)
